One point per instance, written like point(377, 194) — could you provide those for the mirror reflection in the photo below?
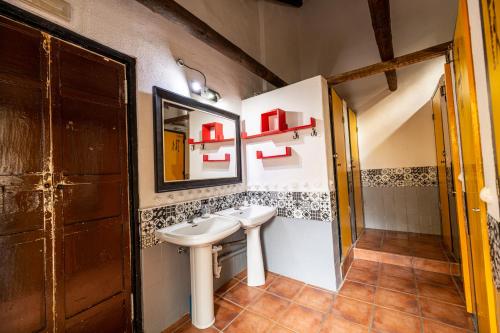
point(196, 144)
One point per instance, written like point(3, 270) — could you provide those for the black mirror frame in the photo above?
point(160, 185)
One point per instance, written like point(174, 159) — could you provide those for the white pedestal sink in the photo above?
point(251, 218)
point(200, 236)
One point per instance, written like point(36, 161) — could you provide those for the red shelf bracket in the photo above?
point(288, 152)
point(227, 158)
point(312, 125)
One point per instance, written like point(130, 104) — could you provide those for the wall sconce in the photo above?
point(200, 88)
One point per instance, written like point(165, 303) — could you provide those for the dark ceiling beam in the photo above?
point(380, 12)
point(171, 10)
point(398, 62)
point(295, 3)
point(176, 119)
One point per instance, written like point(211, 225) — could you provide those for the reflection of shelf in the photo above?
point(288, 152)
point(227, 158)
point(202, 142)
point(312, 124)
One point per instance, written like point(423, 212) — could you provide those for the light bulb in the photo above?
point(195, 86)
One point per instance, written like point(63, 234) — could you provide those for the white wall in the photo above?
point(306, 169)
point(483, 106)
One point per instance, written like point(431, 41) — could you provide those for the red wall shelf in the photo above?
point(288, 152)
point(192, 142)
point(227, 158)
point(312, 124)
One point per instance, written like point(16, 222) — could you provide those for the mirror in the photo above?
point(196, 145)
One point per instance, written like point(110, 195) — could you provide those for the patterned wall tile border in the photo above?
point(400, 177)
point(319, 206)
point(494, 239)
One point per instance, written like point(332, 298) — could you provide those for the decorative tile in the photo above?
point(400, 177)
point(494, 238)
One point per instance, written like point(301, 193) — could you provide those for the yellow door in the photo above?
point(341, 172)
point(459, 196)
point(473, 173)
point(441, 168)
point(173, 158)
point(491, 26)
point(356, 173)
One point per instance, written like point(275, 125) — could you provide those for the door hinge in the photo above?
point(125, 91)
point(498, 188)
point(132, 306)
point(443, 91)
point(433, 117)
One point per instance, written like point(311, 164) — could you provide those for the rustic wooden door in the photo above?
point(92, 253)
point(341, 172)
point(25, 203)
point(444, 208)
point(64, 221)
point(356, 173)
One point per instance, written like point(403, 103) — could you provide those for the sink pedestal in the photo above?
point(255, 264)
point(202, 288)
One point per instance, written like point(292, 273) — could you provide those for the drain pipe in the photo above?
point(217, 260)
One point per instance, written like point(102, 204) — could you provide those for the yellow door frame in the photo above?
point(356, 173)
point(341, 173)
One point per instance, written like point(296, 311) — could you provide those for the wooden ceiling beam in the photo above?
point(176, 119)
point(380, 12)
point(295, 3)
point(398, 62)
point(171, 10)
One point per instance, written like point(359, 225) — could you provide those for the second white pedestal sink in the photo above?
point(200, 236)
point(251, 218)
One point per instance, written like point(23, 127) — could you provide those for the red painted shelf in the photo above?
point(288, 152)
point(227, 158)
point(312, 124)
point(192, 142)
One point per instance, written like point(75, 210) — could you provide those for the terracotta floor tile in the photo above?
point(285, 287)
point(279, 329)
point(446, 313)
point(352, 310)
point(398, 284)
point(248, 322)
point(363, 276)
point(301, 319)
point(242, 294)
point(241, 275)
point(357, 290)
point(431, 265)
point(395, 259)
point(368, 245)
point(228, 285)
point(397, 271)
point(189, 328)
point(435, 327)
point(269, 279)
point(389, 321)
point(436, 278)
point(397, 301)
point(314, 298)
point(371, 266)
point(396, 249)
point(269, 306)
point(225, 312)
point(439, 292)
point(436, 255)
point(334, 324)
point(366, 254)
point(396, 235)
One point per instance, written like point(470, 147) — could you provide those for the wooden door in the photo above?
point(441, 168)
point(26, 226)
point(463, 229)
point(473, 173)
point(356, 173)
point(91, 191)
point(173, 155)
point(341, 174)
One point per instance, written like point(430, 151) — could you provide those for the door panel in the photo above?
point(341, 174)
point(444, 208)
point(356, 173)
point(25, 226)
point(90, 173)
point(473, 173)
point(173, 150)
point(465, 255)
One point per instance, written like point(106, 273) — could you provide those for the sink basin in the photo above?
point(203, 232)
point(200, 236)
point(250, 216)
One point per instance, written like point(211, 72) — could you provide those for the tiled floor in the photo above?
point(375, 297)
point(420, 251)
